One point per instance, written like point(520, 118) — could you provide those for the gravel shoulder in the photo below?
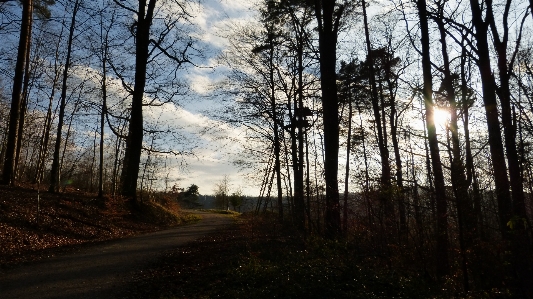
point(101, 271)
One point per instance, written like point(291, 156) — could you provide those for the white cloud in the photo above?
point(236, 7)
point(200, 84)
point(214, 17)
point(208, 170)
point(217, 145)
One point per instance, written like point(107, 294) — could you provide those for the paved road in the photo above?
point(100, 271)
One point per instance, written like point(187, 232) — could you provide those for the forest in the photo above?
point(405, 126)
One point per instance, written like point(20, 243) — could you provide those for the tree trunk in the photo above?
point(441, 262)
point(300, 119)
point(365, 156)
point(54, 173)
point(24, 104)
point(45, 137)
point(273, 107)
point(308, 182)
point(347, 171)
point(509, 127)
point(393, 118)
point(65, 144)
point(3, 144)
point(499, 166)
point(102, 119)
point(93, 162)
point(416, 198)
point(470, 169)
point(298, 210)
point(402, 212)
point(531, 7)
point(288, 185)
point(328, 25)
point(115, 166)
point(383, 150)
point(132, 156)
point(380, 123)
point(520, 239)
point(8, 173)
point(459, 183)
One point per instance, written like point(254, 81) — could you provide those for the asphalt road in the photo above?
point(100, 271)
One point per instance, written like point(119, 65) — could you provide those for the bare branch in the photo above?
point(117, 73)
point(125, 7)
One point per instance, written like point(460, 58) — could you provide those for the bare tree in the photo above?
point(8, 173)
point(442, 261)
point(145, 47)
point(222, 192)
point(328, 15)
point(55, 171)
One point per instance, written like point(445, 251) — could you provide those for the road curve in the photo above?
point(100, 271)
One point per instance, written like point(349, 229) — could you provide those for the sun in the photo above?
point(441, 116)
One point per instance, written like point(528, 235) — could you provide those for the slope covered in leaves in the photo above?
point(31, 229)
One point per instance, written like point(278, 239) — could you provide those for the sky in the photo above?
point(208, 146)
point(218, 145)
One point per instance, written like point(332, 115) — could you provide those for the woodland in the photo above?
point(402, 128)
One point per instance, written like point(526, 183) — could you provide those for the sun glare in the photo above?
point(441, 117)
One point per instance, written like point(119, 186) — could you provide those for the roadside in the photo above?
point(101, 271)
point(200, 269)
point(35, 226)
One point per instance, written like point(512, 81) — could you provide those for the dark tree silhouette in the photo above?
point(328, 15)
point(442, 261)
point(8, 173)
